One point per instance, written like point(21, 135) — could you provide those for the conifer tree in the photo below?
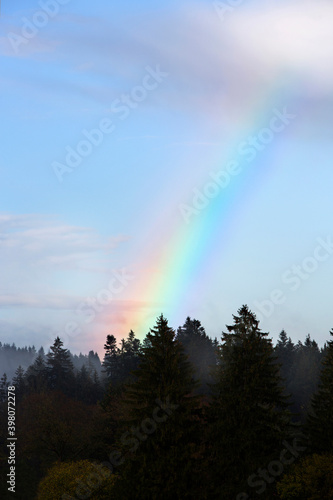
point(249, 412)
point(3, 387)
point(36, 375)
point(130, 354)
point(200, 348)
point(285, 352)
point(88, 386)
point(319, 425)
point(111, 364)
point(94, 363)
point(19, 381)
point(119, 363)
point(305, 375)
point(60, 368)
point(159, 435)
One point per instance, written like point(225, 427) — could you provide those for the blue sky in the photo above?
point(202, 78)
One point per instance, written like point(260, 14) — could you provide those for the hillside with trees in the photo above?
point(176, 415)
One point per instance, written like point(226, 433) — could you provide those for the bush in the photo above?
point(310, 479)
point(72, 480)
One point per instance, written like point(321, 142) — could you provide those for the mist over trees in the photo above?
point(176, 415)
point(11, 357)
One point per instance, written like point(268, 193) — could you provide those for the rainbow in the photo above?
point(187, 254)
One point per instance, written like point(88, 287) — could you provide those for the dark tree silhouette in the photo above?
point(159, 432)
point(60, 368)
point(319, 425)
point(201, 350)
point(249, 416)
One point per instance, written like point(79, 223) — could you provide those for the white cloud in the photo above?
point(216, 68)
point(296, 38)
point(41, 258)
point(39, 301)
point(42, 240)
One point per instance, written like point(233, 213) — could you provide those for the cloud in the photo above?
point(47, 264)
point(42, 241)
point(217, 68)
point(48, 269)
point(40, 301)
point(295, 37)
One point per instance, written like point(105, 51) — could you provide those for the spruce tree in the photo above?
point(94, 363)
point(305, 375)
point(119, 363)
point(111, 362)
point(19, 382)
point(201, 350)
point(4, 388)
point(130, 354)
point(60, 368)
point(285, 351)
point(319, 425)
point(158, 439)
point(88, 386)
point(36, 375)
point(249, 416)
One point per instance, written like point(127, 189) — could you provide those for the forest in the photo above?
point(177, 415)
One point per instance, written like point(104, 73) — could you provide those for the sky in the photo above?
point(171, 158)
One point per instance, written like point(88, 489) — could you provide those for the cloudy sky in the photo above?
point(169, 158)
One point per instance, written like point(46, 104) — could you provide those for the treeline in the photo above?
point(177, 415)
point(11, 357)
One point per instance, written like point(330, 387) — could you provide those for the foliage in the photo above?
point(36, 376)
point(88, 386)
point(19, 382)
point(52, 426)
point(11, 357)
point(3, 387)
point(159, 434)
point(304, 377)
point(201, 350)
point(82, 479)
point(59, 367)
point(319, 425)
point(119, 363)
point(310, 479)
point(145, 407)
point(249, 416)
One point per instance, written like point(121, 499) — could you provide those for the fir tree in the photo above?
point(249, 412)
point(36, 375)
point(88, 386)
point(94, 363)
point(60, 368)
point(304, 377)
point(159, 435)
point(129, 355)
point(3, 387)
point(19, 382)
point(200, 348)
point(319, 425)
point(111, 362)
